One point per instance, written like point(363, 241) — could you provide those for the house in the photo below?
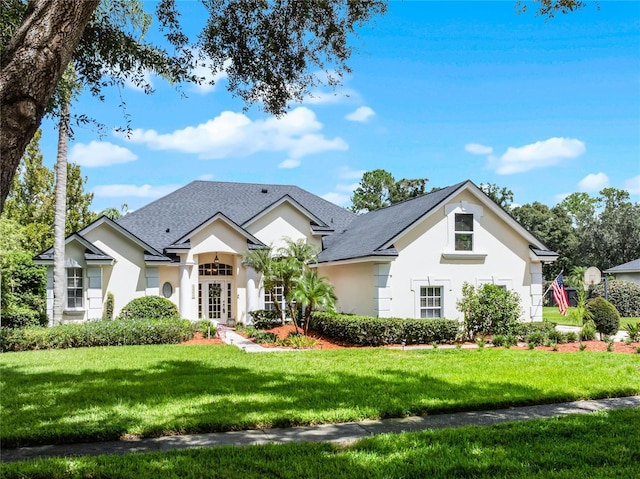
point(628, 271)
point(406, 260)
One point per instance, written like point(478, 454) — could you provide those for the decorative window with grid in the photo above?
point(278, 297)
point(75, 288)
point(215, 269)
point(430, 302)
point(464, 232)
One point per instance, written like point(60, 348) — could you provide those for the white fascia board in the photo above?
point(364, 259)
point(544, 258)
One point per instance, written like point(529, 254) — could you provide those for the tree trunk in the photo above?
point(32, 64)
point(60, 216)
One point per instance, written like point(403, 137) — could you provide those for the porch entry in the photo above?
point(214, 300)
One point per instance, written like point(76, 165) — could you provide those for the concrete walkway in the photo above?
point(338, 433)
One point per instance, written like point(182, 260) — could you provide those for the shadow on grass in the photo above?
point(189, 396)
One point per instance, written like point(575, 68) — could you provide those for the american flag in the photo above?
point(560, 295)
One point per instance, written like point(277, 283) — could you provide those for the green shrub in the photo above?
point(588, 332)
point(149, 307)
point(298, 341)
point(18, 316)
point(605, 315)
point(264, 337)
point(108, 307)
point(499, 340)
point(624, 295)
point(489, 309)
point(571, 337)
point(370, 331)
point(97, 333)
point(205, 326)
point(523, 330)
point(265, 319)
point(556, 336)
point(535, 338)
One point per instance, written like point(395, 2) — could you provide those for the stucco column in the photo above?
point(535, 270)
point(382, 294)
point(253, 301)
point(185, 291)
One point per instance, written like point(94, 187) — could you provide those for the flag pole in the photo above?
point(545, 293)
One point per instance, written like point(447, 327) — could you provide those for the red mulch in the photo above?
point(327, 343)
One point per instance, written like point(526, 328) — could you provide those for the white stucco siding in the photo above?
point(285, 221)
point(353, 284)
point(171, 275)
point(217, 237)
point(503, 259)
point(126, 279)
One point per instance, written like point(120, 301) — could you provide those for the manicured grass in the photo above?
point(552, 314)
point(106, 393)
point(601, 445)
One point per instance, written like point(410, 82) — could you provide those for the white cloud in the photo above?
point(632, 185)
point(478, 149)
point(347, 188)
point(206, 177)
point(349, 174)
point(235, 135)
point(561, 196)
point(144, 191)
point(361, 114)
point(100, 153)
point(593, 182)
point(290, 163)
point(537, 155)
point(337, 198)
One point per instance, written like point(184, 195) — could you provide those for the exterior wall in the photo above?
point(127, 277)
point(421, 262)
point(633, 277)
point(285, 221)
point(354, 286)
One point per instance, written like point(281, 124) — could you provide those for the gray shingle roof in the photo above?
point(166, 220)
point(630, 267)
point(367, 233)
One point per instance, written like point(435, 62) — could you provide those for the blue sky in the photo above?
point(444, 90)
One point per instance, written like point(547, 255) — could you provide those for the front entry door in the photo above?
point(215, 300)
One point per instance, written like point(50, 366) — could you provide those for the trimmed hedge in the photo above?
point(624, 295)
point(97, 333)
point(370, 331)
point(155, 307)
point(605, 315)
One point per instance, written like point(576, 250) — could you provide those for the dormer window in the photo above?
point(463, 232)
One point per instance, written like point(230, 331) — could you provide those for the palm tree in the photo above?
point(261, 260)
point(313, 292)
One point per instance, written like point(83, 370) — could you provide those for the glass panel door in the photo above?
point(215, 300)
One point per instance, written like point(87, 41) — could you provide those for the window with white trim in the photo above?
point(75, 288)
point(463, 232)
point(278, 296)
point(430, 301)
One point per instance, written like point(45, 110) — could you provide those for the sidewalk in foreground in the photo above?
point(338, 433)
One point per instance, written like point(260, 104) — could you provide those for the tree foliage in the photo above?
point(31, 204)
point(501, 195)
point(378, 188)
point(270, 52)
point(489, 309)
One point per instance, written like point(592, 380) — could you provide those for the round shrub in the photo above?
point(149, 307)
point(265, 319)
point(605, 315)
point(624, 295)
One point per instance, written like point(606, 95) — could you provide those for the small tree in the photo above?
point(313, 292)
point(489, 309)
point(605, 315)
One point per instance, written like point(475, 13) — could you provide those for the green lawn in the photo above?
point(550, 313)
point(600, 445)
point(106, 393)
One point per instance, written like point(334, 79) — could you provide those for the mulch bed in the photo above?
point(327, 343)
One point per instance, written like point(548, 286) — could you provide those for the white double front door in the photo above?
point(214, 300)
